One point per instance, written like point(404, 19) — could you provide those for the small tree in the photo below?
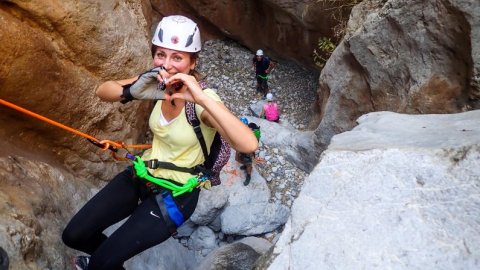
point(339, 12)
point(325, 47)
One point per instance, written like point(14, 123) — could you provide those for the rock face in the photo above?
point(236, 256)
point(417, 58)
point(283, 28)
point(36, 201)
point(396, 192)
point(54, 55)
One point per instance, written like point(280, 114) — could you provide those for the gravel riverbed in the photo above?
point(228, 69)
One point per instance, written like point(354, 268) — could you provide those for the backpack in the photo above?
point(256, 130)
point(271, 111)
point(214, 161)
point(219, 150)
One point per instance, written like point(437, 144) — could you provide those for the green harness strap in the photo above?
point(264, 77)
point(177, 190)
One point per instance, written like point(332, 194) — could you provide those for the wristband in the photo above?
point(126, 96)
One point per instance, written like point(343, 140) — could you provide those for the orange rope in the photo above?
point(105, 143)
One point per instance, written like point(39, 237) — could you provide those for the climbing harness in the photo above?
point(209, 172)
point(142, 172)
point(163, 189)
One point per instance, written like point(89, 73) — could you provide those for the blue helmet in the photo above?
point(244, 120)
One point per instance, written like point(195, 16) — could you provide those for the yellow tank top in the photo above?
point(176, 141)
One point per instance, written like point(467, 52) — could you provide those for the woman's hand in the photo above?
point(192, 93)
point(215, 115)
point(145, 87)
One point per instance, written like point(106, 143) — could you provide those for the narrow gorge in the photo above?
point(373, 165)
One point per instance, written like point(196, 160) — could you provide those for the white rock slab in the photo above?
point(397, 192)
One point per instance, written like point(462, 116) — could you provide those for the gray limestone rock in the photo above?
point(235, 256)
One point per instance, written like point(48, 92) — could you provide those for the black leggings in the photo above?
point(119, 199)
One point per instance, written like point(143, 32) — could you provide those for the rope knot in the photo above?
point(140, 168)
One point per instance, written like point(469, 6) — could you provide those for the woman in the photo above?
point(175, 48)
point(270, 110)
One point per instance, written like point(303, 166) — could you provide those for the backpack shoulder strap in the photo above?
point(192, 119)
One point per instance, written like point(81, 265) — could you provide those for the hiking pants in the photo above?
point(124, 196)
point(262, 85)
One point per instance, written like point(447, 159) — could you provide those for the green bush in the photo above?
point(325, 47)
point(339, 12)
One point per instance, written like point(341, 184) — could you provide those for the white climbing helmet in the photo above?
point(259, 52)
point(178, 33)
